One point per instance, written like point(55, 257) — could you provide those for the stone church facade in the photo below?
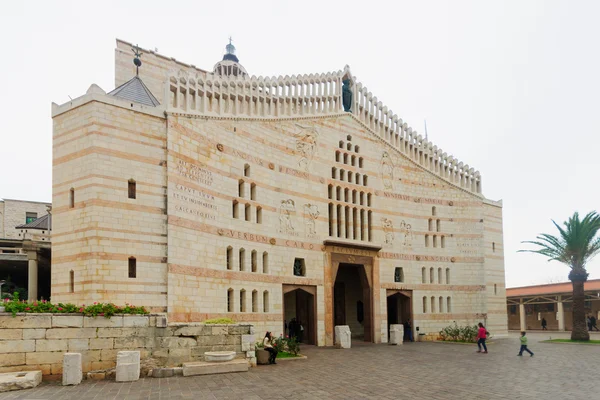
point(218, 194)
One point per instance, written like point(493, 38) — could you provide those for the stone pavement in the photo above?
point(439, 371)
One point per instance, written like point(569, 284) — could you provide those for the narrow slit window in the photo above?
point(423, 275)
point(132, 267)
point(259, 215)
point(494, 247)
point(254, 301)
point(242, 300)
point(337, 156)
point(430, 225)
point(254, 261)
point(247, 212)
point(431, 276)
point(265, 301)
point(72, 281)
point(230, 300)
point(424, 304)
point(265, 262)
point(448, 304)
point(229, 257)
point(247, 170)
point(365, 180)
point(443, 241)
point(242, 262)
point(426, 240)
point(440, 278)
point(241, 189)
point(235, 209)
point(438, 225)
point(253, 191)
point(447, 276)
point(432, 304)
point(72, 198)
point(441, 304)
point(434, 241)
point(131, 190)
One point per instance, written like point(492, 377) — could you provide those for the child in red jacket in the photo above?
point(481, 336)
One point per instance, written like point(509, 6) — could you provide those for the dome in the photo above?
point(230, 64)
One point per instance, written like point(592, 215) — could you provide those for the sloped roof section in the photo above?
point(551, 288)
point(43, 223)
point(135, 90)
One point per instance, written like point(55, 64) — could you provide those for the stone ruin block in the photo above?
point(343, 337)
point(396, 334)
point(128, 366)
point(72, 373)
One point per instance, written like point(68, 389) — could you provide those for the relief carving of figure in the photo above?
point(387, 171)
point(406, 230)
point(286, 209)
point(388, 229)
point(311, 213)
point(306, 145)
point(346, 95)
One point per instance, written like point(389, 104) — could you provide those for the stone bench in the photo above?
point(208, 368)
point(19, 380)
point(219, 356)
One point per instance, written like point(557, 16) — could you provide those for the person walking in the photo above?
point(524, 345)
point(269, 346)
point(481, 336)
point(593, 323)
point(589, 323)
point(544, 324)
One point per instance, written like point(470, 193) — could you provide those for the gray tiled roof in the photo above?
point(135, 90)
point(42, 223)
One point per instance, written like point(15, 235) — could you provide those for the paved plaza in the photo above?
point(413, 371)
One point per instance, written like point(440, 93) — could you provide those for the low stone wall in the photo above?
point(38, 341)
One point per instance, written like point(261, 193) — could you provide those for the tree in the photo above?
point(576, 244)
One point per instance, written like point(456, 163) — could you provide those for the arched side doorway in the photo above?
point(399, 308)
point(300, 304)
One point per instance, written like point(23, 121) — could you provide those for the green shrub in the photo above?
point(219, 321)
point(106, 310)
point(455, 333)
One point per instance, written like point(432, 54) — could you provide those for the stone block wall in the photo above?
point(13, 213)
point(39, 341)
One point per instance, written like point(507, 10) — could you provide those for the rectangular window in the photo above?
point(132, 267)
point(131, 191)
point(30, 217)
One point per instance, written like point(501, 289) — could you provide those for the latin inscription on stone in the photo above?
point(468, 246)
point(196, 173)
point(197, 202)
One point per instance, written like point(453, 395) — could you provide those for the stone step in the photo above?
point(207, 368)
point(20, 380)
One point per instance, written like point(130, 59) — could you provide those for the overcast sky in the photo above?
point(509, 87)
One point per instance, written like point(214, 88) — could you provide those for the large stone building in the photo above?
point(212, 194)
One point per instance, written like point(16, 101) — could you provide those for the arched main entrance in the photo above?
point(352, 301)
point(352, 290)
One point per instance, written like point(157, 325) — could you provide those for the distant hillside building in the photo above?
point(219, 194)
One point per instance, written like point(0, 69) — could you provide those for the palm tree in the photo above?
point(575, 245)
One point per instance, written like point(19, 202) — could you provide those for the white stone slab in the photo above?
point(219, 356)
point(396, 334)
point(207, 368)
point(72, 373)
point(128, 366)
point(19, 380)
point(343, 337)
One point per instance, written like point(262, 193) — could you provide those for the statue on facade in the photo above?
point(298, 267)
point(346, 95)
